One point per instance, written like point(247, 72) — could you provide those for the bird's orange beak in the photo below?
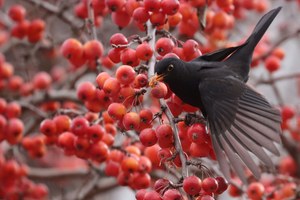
point(156, 78)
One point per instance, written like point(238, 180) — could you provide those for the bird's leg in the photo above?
point(192, 118)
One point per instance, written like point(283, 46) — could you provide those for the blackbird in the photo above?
point(240, 119)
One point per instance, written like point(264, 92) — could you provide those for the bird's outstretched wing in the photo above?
point(240, 120)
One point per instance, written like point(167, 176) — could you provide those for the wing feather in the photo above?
point(240, 121)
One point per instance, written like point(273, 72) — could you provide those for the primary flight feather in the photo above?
point(240, 119)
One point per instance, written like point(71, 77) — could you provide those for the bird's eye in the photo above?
point(170, 67)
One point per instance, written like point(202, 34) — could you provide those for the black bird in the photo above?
point(240, 119)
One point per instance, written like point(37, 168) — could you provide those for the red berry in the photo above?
point(172, 194)
point(115, 5)
point(48, 127)
point(158, 18)
point(125, 74)
point(14, 130)
point(141, 15)
point(152, 5)
point(62, 122)
point(12, 110)
point(288, 166)
point(152, 195)
point(170, 7)
point(86, 91)
point(116, 111)
point(95, 133)
point(148, 137)
point(131, 121)
point(287, 112)
point(71, 48)
point(192, 185)
point(93, 49)
point(111, 86)
point(255, 190)
point(210, 185)
point(197, 133)
point(121, 18)
point(99, 151)
point(42, 81)
point(118, 39)
point(272, 63)
point(144, 51)
point(17, 13)
point(161, 184)
point(129, 57)
point(79, 126)
point(141, 80)
point(101, 78)
point(164, 46)
point(222, 185)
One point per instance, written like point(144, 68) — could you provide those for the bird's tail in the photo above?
point(244, 54)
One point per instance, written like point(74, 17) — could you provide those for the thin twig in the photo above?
point(184, 169)
point(91, 20)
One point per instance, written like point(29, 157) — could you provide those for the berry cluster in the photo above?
point(33, 30)
point(15, 184)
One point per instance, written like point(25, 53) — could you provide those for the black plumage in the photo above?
point(240, 119)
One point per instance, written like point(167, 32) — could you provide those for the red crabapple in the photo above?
point(197, 133)
point(71, 48)
point(272, 63)
point(125, 74)
point(17, 13)
point(99, 151)
point(14, 130)
point(93, 49)
point(129, 164)
point(86, 91)
point(62, 122)
point(115, 5)
point(79, 126)
point(101, 78)
point(48, 127)
point(116, 111)
point(164, 45)
point(152, 195)
point(152, 5)
point(141, 80)
point(172, 194)
point(111, 86)
point(118, 39)
point(170, 7)
point(148, 137)
point(222, 185)
point(131, 121)
point(42, 80)
point(95, 133)
point(121, 18)
point(192, 185)
point(160, 90)
point(129, 57)
point(255, 190)
point(141, 15)
point(210, 185)
point(158, 18)
point(144, 51)
point(140, 194)
point(12, 110)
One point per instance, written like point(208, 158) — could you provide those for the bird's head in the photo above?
point(166, 70)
